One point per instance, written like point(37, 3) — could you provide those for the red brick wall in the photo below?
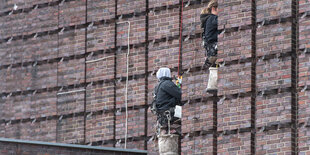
point(197, 145)
point(99, 10)
point(235, 144)
point(44, 52)
point(304, 140)
point(99, 127)
point(304, 99)
point(100, 37)
point(100, 70)
point(197, 117)
point(234, 114)
point(276, 141)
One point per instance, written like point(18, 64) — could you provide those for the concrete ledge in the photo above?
point(6, 141)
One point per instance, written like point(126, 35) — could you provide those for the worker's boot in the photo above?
point(212, 82)
point(206, 65)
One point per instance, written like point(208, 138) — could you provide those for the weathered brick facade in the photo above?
point(51, 89)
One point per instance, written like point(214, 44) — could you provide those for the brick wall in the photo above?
point(197, 145)
point(276, 141)
point(235, 144)
point(304, 99)
point(99, 10)
point(47, 48)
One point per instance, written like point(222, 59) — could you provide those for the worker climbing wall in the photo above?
point(63, 73)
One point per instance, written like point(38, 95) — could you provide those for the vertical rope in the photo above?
point(126, 88)
point(180, 62)
point(181, 37)
point(146, 72)
point(85, 73)
point(253, 78)
point(294, 72)
point(115, 80)
point(215, 123)
point(215, 100)
point(57, 122)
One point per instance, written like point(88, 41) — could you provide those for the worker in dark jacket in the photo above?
point(209, 24)
point(166, 96)
point(169, 95)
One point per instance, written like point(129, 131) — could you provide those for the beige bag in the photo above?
point(168, 144)
point(212, 82)
point(178, 111)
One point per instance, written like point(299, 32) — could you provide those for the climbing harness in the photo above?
point(167, 113)
point(164, 121)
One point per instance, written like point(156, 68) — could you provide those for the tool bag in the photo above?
point(212, 82)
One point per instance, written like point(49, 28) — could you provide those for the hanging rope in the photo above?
point(179, 78)
point(180, 40)
point(127, 76)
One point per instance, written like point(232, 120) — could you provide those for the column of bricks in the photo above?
point(136, 66)
point(31, 76)
point(234, 77)
point(71, 72)
point(70, 130)
point(303, 75)
point(100, 95)
point(273, 73)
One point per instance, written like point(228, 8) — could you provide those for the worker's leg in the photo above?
point(211, 55)
point(212, 60)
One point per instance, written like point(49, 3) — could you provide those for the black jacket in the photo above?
point(168, 94)
point(209, 24)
